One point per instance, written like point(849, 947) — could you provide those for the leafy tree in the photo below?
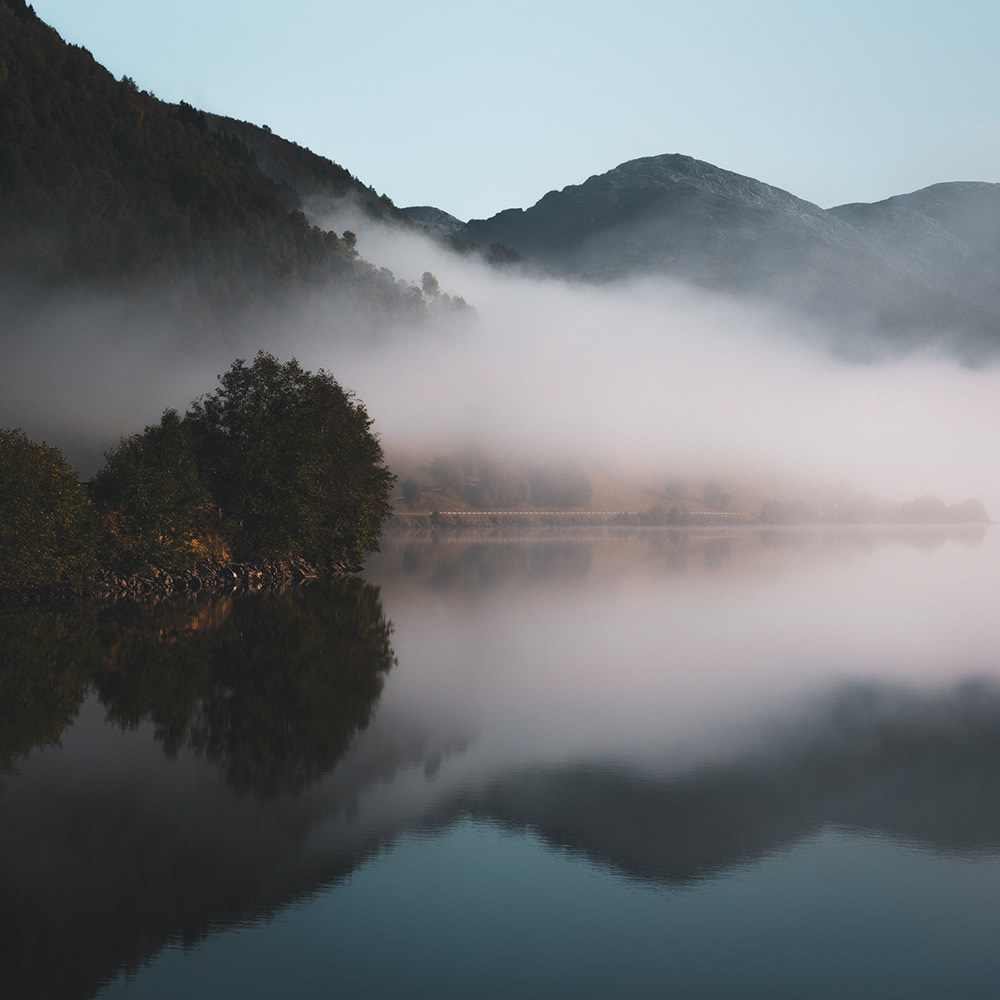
point(411, 490)
point(290, 459)
point(560, 486)
point(712, 492)
point(48, 533)
point(155, 506)
point(678, 514)
point(971, 510)
point(430, 285)
point(448, 472)
point(502, 485)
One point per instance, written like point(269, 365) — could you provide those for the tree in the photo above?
point(560, 486)
point(712, 492)
point(448, 472)
point(290, 458)
point(430, 285)
point(501, 485)
point(154, 504)
point(411, 490)
point(48, 532)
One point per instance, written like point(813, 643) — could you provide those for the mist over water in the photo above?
point(683, 711)
point(648, 377)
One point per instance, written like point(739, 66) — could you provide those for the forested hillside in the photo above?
point(322, 188)
point(105, 186)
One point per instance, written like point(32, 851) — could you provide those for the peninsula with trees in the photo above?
point(275, 475)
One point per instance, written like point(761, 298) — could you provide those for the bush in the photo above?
point(154, 505)
point(448, 473)
point(48, 532)
point(290, 459)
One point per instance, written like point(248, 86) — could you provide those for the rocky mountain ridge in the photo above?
point(896, 275)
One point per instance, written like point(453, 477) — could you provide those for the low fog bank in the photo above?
point(657, 377)
point(646, 377)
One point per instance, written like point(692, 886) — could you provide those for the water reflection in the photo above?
point(47, 657)
point(270, 688)
point(670, 705)
point(917, 768)
point(109, 851)
point(481, 566)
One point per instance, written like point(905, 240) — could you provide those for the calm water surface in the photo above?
point(696, 764)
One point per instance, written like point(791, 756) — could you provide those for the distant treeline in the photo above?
point(481, 481)
point(865, 509)
point(278, 463)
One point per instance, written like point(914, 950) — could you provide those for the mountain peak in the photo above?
point(917, 266)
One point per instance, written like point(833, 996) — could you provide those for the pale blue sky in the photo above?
point(479, 106)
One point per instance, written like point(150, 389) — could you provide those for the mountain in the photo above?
point(324, 190)
point(106, 189)
point(947, 236)
point(434, 219)
point(304, 179)
point(901, 273)
point(103, 187)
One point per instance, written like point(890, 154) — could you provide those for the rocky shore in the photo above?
point(210, 577)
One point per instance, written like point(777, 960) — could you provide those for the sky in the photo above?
point(476, 107)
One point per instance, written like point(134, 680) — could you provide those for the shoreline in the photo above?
point(202, 578)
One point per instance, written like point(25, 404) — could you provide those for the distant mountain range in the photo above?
point(913, 269)
point(103, 185)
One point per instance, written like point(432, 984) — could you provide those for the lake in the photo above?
point(592, 763)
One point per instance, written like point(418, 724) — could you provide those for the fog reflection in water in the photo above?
point(668, 705)
point(670, 649)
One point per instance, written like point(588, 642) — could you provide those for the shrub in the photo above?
point(155, 508)
point(290, 458)
point(48, 532)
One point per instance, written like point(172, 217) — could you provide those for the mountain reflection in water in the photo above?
point(232, 757)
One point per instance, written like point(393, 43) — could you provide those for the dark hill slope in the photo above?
point(321, 188)
point(303, 176)
point(677, 216)
point(103, 186)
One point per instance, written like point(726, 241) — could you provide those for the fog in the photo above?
point(646, 378)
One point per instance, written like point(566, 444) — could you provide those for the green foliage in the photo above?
point(277, 463)
point(47, 526)
point(101, 184)
point(154, 504)
point(290, 459)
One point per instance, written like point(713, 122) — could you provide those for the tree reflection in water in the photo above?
point(270, 687)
